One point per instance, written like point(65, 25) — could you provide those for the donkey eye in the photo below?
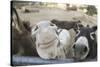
point(36, 28)
point(92, 35)
point(85, 49)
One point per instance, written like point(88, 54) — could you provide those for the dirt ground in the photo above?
point(55, 13)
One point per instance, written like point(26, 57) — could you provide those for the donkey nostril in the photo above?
point(85, 49)
point(74, 46)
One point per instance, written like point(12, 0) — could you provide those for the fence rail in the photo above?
point(22, 60)
point(27, 60)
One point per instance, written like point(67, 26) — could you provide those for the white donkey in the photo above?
point(51, 43)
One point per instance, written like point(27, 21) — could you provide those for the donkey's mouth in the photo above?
point(48, 44)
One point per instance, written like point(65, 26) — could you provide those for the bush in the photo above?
point(91, 10)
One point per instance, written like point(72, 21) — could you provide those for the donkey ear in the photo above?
point(54, 20)
point(27, 25)
point(94, 28)
point(80, 26)
point(77, 27)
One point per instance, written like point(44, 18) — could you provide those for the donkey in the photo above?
point(67, 24)
point(51, 43)
point(22, 43)
point(85, 46)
